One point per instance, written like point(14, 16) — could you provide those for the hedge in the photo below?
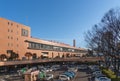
point(110, 74)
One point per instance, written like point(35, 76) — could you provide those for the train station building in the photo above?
point(16, 42)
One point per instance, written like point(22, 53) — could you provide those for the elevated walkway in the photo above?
point(72, 59)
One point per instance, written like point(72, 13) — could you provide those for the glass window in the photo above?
point(11, 37)
point(37, 46)
point(24, 32)
point(8, 37)
point(8, 23)
point(11, 24)
point(42, 46)
point(29, 45)
point(17, 32)
point(17, 26)
point(11, 30)
point(8, 44)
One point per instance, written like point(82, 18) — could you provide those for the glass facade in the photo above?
point(40, 46)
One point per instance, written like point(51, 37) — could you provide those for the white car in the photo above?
point(96, 73)
point(64, 77)
point(49, 77)
point(102, 79)
point(43, 69)
point(49, 69)
point(73, 69)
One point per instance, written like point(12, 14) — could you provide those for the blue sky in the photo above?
point(60, 20)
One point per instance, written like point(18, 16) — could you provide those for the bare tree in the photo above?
point(105, 38)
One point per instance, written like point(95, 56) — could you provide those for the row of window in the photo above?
point(39, 46)
point(11, 44)
point(11, 38)
point(11, 24)
point(24, 32)
point(12, 31)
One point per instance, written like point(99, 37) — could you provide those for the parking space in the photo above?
point(11, 77)
point(80, 75)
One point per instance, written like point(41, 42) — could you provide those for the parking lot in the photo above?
point(80, 76)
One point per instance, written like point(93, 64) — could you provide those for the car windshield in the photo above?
point(47, 75)
point(98, 76)
point(103, 79)
point(62, 76)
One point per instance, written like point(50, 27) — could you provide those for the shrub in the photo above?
point(109, 73)
point(115, 79)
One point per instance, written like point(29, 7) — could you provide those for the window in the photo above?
point(17, 38)
point(11, 37)
point(37, 46)
point(11, 24)
point(11, 30)
point(41, 46)
point(17, 26)
point(30, 46)
point(17, 45)
point(8, 23)
point(8, 44)
point(61, 49)
point(24, 32)
point(17, 32)
point(8, 30)
point(8, 37)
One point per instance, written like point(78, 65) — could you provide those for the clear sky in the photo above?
point(60, 20)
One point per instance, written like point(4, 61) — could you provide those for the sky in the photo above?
point(60, 20)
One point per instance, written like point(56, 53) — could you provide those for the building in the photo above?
point(16, 43)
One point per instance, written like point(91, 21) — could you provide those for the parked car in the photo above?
point(49, 69)
point(55, 68)
point(22, 71)
point(64, 77)
point(82, 67)
point(71, 73)
point(73, 69)
point(49, 77)
point(94, 68)
point(58, 80)
point(96, 73)
point(102, 79)
point(68, 74)
point(44, 69)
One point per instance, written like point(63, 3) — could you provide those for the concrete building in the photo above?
point(16, 43)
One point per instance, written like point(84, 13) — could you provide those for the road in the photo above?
point(81, 76)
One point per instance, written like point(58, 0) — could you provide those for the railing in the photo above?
point(77, 59)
